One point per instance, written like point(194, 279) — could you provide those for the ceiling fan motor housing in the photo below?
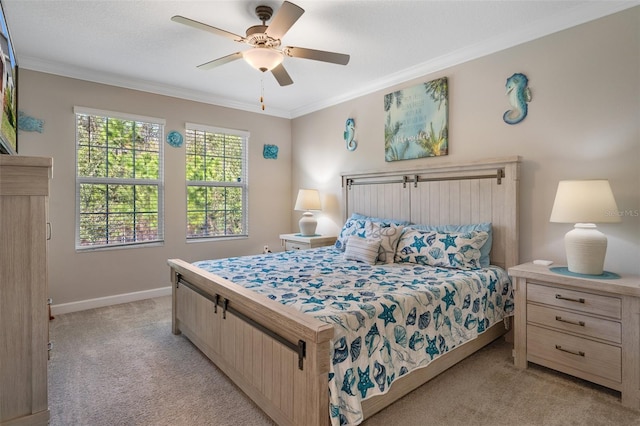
point(257, 37)
point(264, 13)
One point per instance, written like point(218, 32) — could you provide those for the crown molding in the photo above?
point(86, 74)
point(577, 16)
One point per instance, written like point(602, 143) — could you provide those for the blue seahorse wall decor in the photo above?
point(349, 134)
point(519, 95)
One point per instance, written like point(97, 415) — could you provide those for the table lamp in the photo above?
point(308, 199)
point(585, 203)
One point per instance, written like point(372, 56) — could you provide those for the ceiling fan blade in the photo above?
point(284, 19)
point(281, 75)
point(220, 61)
point(205, 27)
point(317, 55)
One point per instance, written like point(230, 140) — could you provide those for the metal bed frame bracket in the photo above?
point(225, 306)
point(404, 181)
point(302, 353)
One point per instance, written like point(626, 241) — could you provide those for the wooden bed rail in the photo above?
point(299, 347)
point(291, 323)
point(250, 337)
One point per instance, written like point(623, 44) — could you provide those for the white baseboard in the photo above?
point(83, 305)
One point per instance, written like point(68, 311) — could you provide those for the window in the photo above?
point(216, 165)
point(119, 179)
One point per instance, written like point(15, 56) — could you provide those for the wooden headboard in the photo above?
point(475, 192)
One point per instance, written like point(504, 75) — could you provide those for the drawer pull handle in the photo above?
point(580, 323)
point(561, 297)
point(560, 348)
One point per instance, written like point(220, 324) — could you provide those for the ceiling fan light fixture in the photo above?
point(263, 59)
point(266, 52)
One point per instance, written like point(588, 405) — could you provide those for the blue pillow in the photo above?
point(351, 227)
point(485, 261)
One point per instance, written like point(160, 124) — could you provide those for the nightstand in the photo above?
point(298, 242)
point(586, 327)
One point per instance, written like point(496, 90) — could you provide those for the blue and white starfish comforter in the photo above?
point(388, 319)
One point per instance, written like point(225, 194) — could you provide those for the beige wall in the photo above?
point(583, 123)
point(88, 275)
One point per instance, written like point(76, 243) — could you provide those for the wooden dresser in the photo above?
point(24, 334)
point(589, 328)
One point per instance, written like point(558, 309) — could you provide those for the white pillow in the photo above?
point(362, 249)
point(388, 234)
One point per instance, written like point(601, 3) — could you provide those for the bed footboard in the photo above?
point(278, 356)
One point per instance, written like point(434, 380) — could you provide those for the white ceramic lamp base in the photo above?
point(586, 248)
point(308, 224)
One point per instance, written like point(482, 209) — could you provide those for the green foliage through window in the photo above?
point(119, 181)
point(216, 183)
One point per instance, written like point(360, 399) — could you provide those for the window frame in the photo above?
point(244, 184)
point(159, 182)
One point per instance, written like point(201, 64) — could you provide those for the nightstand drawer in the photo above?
point(574, 322)
point(294, 245)
point(575, 353)
point(576, 300)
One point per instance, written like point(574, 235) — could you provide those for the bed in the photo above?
point(265, 327)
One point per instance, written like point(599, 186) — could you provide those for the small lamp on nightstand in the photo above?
point(585, 203)
point(308, 199)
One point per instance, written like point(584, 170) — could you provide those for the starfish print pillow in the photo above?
point(459, 250)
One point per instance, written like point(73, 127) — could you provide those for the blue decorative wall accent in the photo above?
point(175, 139)
point(270, 152)
point(519, 95)
point(350, 134)
point(29, 124)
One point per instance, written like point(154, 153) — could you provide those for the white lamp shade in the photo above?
point(308, 199)
point(262, 58)
point(589, 201)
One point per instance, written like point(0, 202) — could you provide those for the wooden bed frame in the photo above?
point(279, 356)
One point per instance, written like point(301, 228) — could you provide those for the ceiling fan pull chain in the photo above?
point(262, 92)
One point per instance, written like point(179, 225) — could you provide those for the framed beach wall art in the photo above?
point(8, 91)
point(417, 121)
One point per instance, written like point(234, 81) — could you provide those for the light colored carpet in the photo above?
point(121, 365)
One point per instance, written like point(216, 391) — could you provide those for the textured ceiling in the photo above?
point(134, 44)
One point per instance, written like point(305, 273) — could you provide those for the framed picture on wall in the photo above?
point(8, 90)
point(417, 121)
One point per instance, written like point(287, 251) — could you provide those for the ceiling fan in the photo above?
point(265, 40)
